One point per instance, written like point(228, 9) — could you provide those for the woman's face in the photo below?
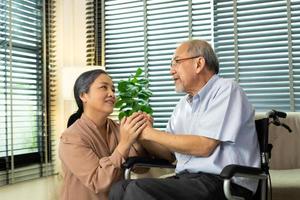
point(101, 95)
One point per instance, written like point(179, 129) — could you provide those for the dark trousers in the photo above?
point(186, 186)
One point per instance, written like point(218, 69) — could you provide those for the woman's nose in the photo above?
point(111, 93)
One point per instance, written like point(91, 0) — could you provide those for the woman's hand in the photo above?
point(130, 129)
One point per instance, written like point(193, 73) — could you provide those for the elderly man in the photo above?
point(211, 127)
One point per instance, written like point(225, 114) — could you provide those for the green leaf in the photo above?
point(127, 108)
point(119, 103)
point(122, 86)
point(128, 113)
point(124, 95)
point(136, 107)
point(147, 109)
point(143, 81)
point(133, 95)
point(142, 101)
point(131, 87)
point(138, 72)
point(148, 92)
point(144, 95)
point(121, 115)
point(134, 80)
point(128, 100)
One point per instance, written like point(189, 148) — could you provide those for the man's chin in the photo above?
point(179, 89)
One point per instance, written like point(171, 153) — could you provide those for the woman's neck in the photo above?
point(99, 119)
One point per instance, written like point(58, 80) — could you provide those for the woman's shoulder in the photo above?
point(72, 134)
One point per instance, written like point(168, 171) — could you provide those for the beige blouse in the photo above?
point(90, 162)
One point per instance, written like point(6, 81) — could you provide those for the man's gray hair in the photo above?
point(203, 48)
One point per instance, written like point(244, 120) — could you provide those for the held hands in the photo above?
point(130, 130)
point(131, 127)
point(149, 119)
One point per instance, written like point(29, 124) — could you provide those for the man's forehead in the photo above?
point(181, 50)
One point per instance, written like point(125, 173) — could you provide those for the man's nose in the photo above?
point(172, 70)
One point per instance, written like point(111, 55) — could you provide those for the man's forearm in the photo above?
point(185, 144)
point(158, 150)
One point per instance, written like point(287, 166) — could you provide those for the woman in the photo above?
point(94, 147)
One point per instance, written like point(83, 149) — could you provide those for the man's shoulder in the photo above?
point(227, 83)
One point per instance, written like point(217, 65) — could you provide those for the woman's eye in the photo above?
point(103, 87)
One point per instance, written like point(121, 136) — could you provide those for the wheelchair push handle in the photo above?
point(275, 115)
point(286, 127)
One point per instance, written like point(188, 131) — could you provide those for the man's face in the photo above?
point(182, 69)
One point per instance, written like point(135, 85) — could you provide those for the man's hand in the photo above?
point(149, 126)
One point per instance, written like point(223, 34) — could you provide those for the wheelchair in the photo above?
point(261, 174)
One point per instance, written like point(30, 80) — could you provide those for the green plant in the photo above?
point(133, 95)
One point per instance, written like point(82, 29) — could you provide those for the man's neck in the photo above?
point(202, 81)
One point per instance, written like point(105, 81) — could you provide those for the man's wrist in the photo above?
point(150, 134)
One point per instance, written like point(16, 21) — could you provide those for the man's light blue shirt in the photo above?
point(220, 111)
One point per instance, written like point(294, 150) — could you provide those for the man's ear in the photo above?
point(200, 64)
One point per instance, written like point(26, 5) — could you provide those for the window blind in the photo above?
point(23, 147)
point(93, 32)
point(257, 46)
point(295, 49)
point(145, 34)
point(257, 43)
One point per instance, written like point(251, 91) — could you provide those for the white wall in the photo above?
point(71, 51)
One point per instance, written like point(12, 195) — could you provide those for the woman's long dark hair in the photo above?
point(82, 85)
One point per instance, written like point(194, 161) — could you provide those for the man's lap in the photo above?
point(183, 186)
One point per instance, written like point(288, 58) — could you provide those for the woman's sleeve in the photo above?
point(96, 174)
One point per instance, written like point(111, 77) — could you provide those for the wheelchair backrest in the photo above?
point(262, 129)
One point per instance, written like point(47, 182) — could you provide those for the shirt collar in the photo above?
point(204, 90)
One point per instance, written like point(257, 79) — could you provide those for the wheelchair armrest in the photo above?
point(242, 171)
point(147, 162)
point(132, 162)
point(234, 170)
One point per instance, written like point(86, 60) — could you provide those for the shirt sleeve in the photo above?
point(223, 116)
point(170, 128)
point(96, 174)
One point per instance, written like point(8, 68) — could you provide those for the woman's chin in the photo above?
point(110, 111)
